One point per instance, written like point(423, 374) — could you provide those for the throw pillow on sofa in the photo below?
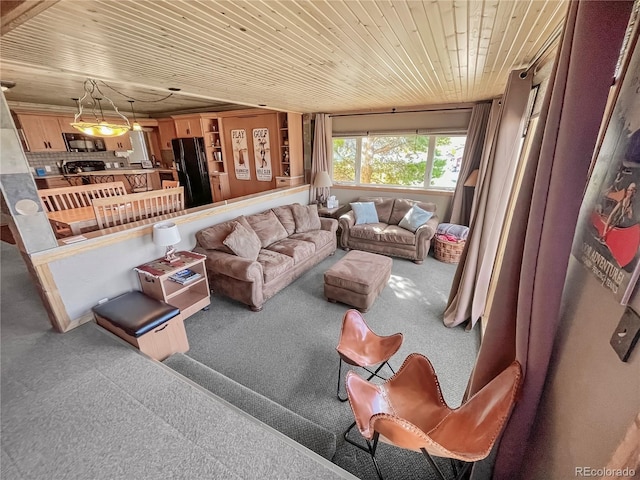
point(415, 218)
point(306, 217)
point(285, 215)
point(212, 237)
point(242, 242)
point(365, 212)
point(267, 227)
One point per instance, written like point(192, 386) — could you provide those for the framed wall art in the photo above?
point(240, 154)
point(607, 240)
point(262, 154)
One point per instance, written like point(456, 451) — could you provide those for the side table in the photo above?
point(190, 297)
point(334, 213)
point(327, 212)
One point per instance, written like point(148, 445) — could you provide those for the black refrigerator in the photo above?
point(191, 164)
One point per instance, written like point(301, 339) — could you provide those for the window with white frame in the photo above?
point(403, 160)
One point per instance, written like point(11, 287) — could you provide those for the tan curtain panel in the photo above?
point(322, 153)
point(524, 317)
point(468, 295)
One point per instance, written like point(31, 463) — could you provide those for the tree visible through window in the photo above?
point(401, 160)
point(344, 159)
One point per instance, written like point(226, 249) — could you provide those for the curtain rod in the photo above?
point(393, 110)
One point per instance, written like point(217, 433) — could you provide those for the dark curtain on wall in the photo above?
point(476, 134)
point(523, 320)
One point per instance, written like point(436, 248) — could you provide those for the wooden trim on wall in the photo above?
point(48, 290)
point(502, 244)
point(38, 263)
point(374, 189)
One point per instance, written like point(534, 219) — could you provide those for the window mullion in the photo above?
point(431, 151)
point(358, 159)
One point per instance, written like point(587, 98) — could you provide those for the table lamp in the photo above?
point(166, 234)
point(322, 180)
point(472, 180)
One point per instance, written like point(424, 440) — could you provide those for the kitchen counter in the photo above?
point(154, 177)
point(108, 171)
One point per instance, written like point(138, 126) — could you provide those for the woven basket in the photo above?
point(448, 252)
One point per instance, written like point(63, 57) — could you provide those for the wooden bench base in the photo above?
point(159, 343)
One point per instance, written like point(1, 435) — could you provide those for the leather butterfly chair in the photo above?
point(408, 411)
point(361, 347)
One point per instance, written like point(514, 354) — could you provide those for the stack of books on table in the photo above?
point(185, 276)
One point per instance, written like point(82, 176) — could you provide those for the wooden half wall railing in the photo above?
point(66, 198)
point(122, 209)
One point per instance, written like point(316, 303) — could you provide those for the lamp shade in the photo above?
point(472, 180)
point(99, 127)
point(166, 234)
point(322, 180)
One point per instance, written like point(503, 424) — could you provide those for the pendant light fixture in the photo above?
point(136, 126)
point(100, 127)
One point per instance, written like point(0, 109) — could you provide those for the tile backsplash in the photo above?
point(53, 159)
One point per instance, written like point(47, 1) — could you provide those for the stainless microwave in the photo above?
point(78, 142)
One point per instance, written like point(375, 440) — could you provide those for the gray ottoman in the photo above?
point(357, 279)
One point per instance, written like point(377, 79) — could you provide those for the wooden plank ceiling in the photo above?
point(302, 55)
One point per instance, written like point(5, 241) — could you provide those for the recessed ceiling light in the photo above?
point(174, 89)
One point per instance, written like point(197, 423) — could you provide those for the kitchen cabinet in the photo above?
point(289, 181)
point(42, 132)
point(65, 124)
point(121, 143)
point(220, 186)
point(167, 132)
point(188, 127)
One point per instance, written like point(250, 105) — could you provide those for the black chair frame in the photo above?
point(461, 469)
point(373, 374)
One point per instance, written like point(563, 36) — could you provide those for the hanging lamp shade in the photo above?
point(101, 129)
point(98, 127)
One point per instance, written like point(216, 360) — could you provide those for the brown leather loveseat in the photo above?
point(386, 236)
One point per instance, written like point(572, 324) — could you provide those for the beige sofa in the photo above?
point(386, 237)
point(253, 257)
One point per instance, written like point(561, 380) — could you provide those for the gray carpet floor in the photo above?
point(85, 405)
point(286, 352)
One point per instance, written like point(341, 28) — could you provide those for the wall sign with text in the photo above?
point(240, 154)
point(607, 240)
point(262, 154)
